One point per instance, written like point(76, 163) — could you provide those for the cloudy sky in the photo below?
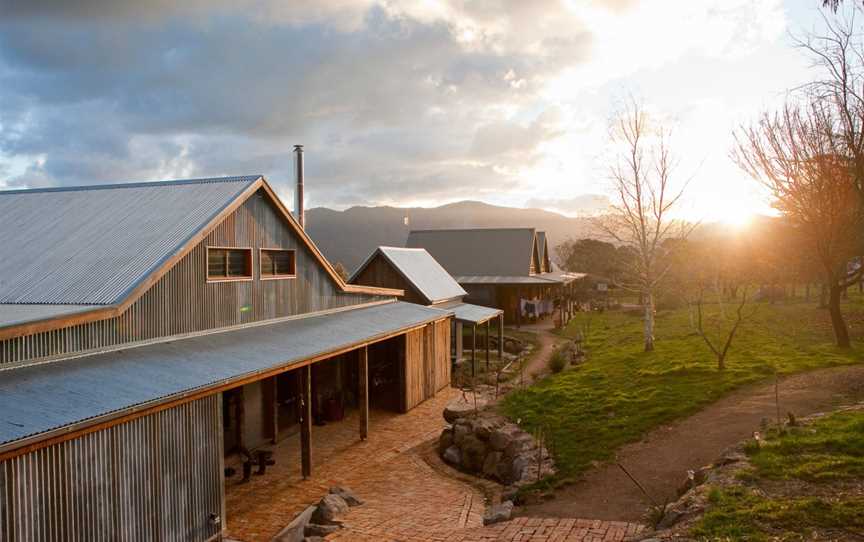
point(410, 103)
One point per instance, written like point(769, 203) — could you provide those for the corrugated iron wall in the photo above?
point(156, 478)
point(183, 302)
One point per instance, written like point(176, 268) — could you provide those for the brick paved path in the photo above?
point(405, 498)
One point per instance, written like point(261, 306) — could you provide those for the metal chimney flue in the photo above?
point(299, 212)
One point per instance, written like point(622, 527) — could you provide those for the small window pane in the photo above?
point(277, 263)
point(228, 263)
point(216, 262)
point(267, 267)
point(237, 263)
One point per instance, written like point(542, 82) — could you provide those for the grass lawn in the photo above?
point(620, 393)
point(826, 456)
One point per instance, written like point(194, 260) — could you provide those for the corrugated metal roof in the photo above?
point(94, 244)
point(474, 314)
point(504, 279)
point(480, 251)
point(541, 246)
point(45, 397)
point(562, 276)
point(13, 315)
point(419, 268)
point(547, 279)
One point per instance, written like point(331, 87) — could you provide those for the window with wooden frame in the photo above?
point(229, 263)
point(278, 263)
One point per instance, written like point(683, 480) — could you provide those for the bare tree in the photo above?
point(838, 57)
point(640, 220)
point(831, 4)
point(793, 153)
point(721, 349)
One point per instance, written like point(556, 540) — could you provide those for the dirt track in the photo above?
point(660, 461)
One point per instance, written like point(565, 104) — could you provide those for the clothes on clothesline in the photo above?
point(536, 308)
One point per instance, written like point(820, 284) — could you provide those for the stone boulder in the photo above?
point(488, 445)
point(453, 456)
point(473, 453)
point(518, 467)
point(498, 513)
point(347, 495)
point(491, 464)
point(328, 509)
point(461, 432)
point(445, 440)
point(295, 531)
point(502, 436)
point(519, 444)
point(461, 408)
point(483, 428)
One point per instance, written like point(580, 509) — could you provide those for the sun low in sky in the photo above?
point(396, 102)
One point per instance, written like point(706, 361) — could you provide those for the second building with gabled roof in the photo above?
point(425, 281)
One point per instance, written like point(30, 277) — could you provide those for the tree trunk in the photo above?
point(807, 292)
point(649, 321)
point(841, 334)
point(823, 297)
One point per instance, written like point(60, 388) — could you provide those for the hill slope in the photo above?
point(349, 236)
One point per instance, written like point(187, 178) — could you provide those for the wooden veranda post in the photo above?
point(271, 408)
point(501, 336)
point(364, 393)
point(488, 323)
point(306, 421)
point(473, 349)
point(518, 308)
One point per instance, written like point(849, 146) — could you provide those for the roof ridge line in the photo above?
point(509, 228)
point(134, 184)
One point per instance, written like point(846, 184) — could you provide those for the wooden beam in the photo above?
point(501, 336)
point(306, 421)
point(473, 349)
point(271, 409)
point(518, 308)
point(363, 361)
point(240, 413)
point(487, 344)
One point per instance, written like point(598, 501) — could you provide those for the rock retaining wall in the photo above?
point(489, 446)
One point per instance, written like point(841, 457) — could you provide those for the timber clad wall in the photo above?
point(183, 302)
point(427, 362)
point(156, 478)
point(381, 273)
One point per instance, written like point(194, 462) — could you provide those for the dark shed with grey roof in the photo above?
point(507, 268)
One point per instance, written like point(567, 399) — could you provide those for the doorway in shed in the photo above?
point(387, 374)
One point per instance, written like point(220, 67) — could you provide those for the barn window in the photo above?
point(278, 263)
point(225, 263)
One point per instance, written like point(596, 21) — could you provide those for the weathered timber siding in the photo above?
point(182, 301)
point(427, 362)
point(442, 355)
point(381, 273)
point(413, 383)
point(156, 478)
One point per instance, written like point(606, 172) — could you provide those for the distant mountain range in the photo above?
point(349, 236)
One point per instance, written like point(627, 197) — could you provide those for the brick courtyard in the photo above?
point(406, 499)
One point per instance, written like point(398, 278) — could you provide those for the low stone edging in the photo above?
point(488, 445)
point(319, 520)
